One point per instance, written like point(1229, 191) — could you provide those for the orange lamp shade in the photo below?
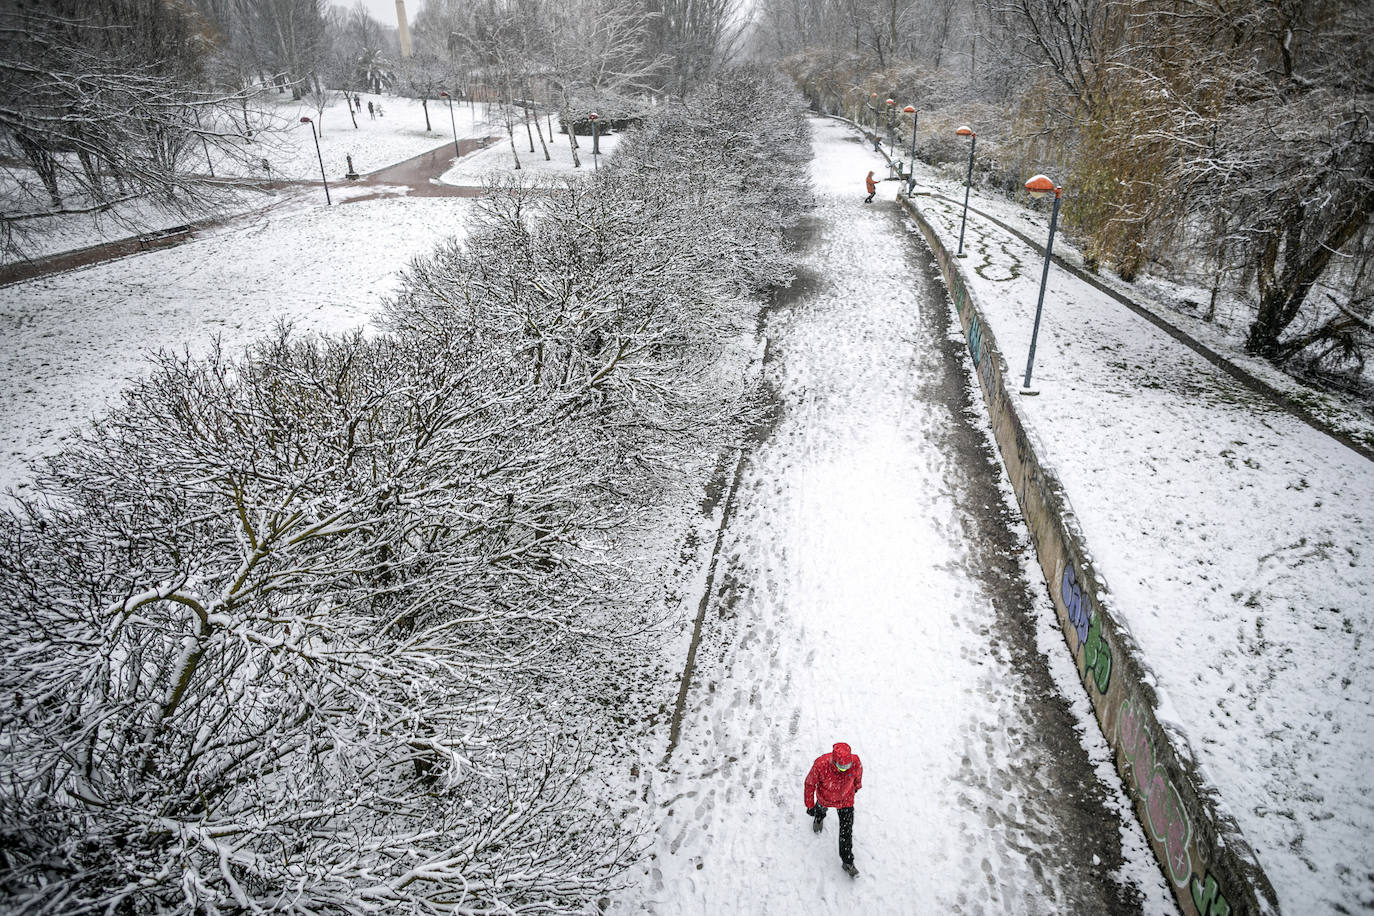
point(1040, 185)
point(908, 110)
point(890, 102)
point(965, 131)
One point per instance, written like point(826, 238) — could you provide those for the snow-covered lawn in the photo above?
point(498, 159)
point(289, 148)
point(375, 143)
point(71, 340)
point(1239, 545)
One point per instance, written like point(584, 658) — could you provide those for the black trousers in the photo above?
point(846, 832)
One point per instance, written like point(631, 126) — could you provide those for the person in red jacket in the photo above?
point(872, 188)
point(832, 782)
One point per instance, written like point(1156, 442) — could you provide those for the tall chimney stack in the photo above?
point(403, 27)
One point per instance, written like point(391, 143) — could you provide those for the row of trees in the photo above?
point(1229, 144)
point(327, 627)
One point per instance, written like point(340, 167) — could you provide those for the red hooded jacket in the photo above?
point(828, 786)
point(870, 183)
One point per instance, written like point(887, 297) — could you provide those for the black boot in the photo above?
point(851, 870)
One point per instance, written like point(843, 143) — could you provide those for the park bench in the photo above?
point(162, 237)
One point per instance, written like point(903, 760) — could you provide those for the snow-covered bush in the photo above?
point(305, 630)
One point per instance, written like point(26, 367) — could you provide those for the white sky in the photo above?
point(384, 11)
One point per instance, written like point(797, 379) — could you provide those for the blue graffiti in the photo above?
point(1097, 656)
point(1078, 605)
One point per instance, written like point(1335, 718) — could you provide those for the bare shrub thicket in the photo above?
point(312, 629)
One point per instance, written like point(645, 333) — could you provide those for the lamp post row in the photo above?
point(1038, 186)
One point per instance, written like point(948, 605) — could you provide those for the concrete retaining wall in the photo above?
point(1208, 864)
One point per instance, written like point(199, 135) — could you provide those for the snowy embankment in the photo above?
point(1237, 541)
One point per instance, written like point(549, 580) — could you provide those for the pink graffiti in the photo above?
point(1167, 822)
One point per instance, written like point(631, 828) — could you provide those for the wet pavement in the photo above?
point(877, 588)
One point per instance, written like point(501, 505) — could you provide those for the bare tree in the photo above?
point(104, 108)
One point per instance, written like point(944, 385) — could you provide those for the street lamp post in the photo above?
point(320, 156)
point(911, 172)
point(596, 141)
point(452, 123)
point(891, 125)
point(1039, 186)
point(966, 131)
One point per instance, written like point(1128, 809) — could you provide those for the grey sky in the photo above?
point(384, 11)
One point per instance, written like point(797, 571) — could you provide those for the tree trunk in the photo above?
point(540, 131)
point(565, 113)
point(43, 164)
point(1282, 294)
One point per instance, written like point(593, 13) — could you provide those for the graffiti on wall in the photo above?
point(1207, 897)
point(1165, 819)
point(1097, 655)
point(982, 357)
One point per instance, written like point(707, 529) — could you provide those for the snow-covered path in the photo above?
point(875, 591)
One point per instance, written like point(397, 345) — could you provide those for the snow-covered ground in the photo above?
point(71, 341)
point(1239, 545)
point(871, 591)
point(288, 147)
point(1179, 304)
point(375, 143)
point(498, 159)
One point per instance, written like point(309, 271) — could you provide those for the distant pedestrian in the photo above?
point(358, 104)
point(872, 188)
point(832, 782)
point(370, 112)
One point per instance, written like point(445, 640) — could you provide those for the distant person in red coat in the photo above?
point(872, 188)
point(832, 782)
